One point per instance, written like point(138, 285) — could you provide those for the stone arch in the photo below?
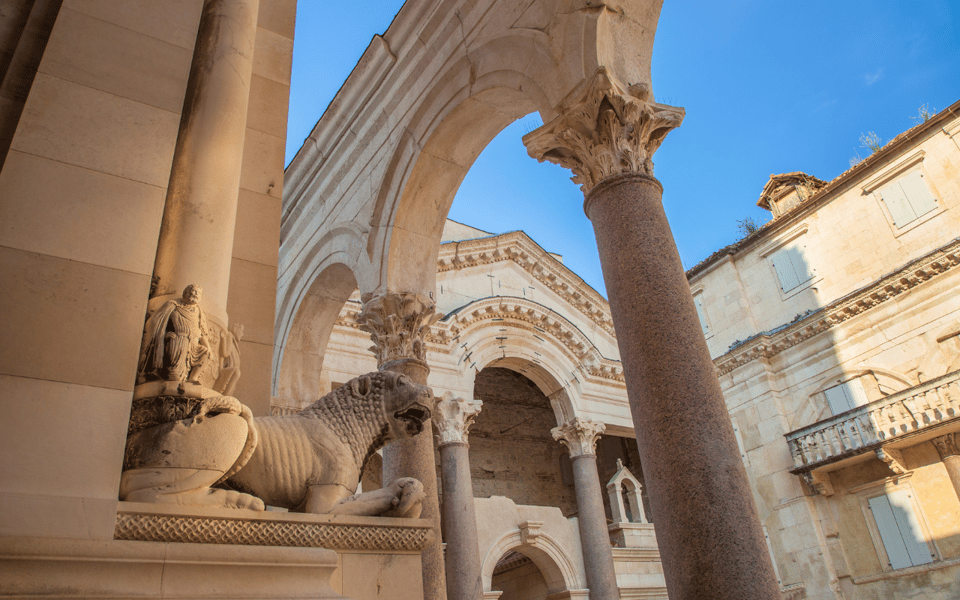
point(554, 563)
point(815, 407)
point(302, 344)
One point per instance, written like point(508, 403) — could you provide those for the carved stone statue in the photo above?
point(311, 461)
point(229, 350)
point(175, 343)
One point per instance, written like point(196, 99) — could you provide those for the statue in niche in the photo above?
point(176, 344)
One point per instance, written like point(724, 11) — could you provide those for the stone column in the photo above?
point(196, 234)
point(580, 437)
point(710, 539)
point(949, 452)
point(397, 324)
point(452, 420)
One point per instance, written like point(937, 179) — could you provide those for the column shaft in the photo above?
point(196, 233)
point(952, 464)
point(597, 554)
point(460, 524)
point(949, 452)
point(414, 457)
point(710, 539)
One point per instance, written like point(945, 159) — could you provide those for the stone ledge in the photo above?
point(162, 523)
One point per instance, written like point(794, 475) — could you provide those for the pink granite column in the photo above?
point(580, 437)
point(200, 213)
point(710, 538)
point(452, 420)
point(397, 324)
point(949, 452)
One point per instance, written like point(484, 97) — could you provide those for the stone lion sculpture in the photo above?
point(310, 461)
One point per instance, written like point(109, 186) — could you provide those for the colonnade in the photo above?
point(710, 538)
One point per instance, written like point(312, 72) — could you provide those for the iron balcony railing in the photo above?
point(873, 425)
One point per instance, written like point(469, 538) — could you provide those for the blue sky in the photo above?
point(769, 87)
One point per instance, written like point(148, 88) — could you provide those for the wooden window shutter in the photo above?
point(917, 193)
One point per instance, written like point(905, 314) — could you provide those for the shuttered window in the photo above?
point(792, 267)
point(845, 396)
point(908, 198)
point(701, 314)
point(900, 530)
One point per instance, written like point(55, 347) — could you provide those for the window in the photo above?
point(702, 315)
point(847, 395)
point(907, 199)
point(792, 267)
point(899, 529)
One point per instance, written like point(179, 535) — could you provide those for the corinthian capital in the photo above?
point(453, 417)
point(946, 445)
point(610, 129)
point(397, 323)
point(579, 436)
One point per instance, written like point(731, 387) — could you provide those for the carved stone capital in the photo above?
point(579, 436)
point(610, 129)
point(453, 417)
point(397, 324)
point(947, 445)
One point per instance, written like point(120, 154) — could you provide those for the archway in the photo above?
point(554, 565)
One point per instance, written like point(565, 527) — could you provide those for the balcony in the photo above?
point(879, 429)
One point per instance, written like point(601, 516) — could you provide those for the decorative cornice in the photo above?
point(453, 417)
point(513, 312)
point(579, 436)
point(517, 246)
point(610, 129)
point(397, 323)
point(886, 288)
point(255, 532)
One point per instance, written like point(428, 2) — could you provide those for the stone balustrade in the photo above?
point(868, 427)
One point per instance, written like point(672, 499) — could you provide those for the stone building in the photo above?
point(835, 330)
point(142, 156)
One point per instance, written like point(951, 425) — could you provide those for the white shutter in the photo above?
point(890, 533)
point(909, 527)
point(917, 193)
point(800, 264)
point(784, 266)
point(698, 302)
point(896, 202)
point(838, 399)
point(855, 392)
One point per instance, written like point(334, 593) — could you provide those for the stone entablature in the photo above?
point(767, 345)
point(516, 246)
point(516, 312)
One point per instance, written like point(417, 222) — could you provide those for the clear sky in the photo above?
point(769, 87)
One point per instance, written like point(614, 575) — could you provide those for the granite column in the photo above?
point(580, 437)
point(452, 420)
point(710, 538)
point(397, 324)
point(200, 213)
point(949, 451)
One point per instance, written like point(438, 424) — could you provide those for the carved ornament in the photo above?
point(893, 458)
point(946, 445)
point(819, 483)
point(453, 417)
point(397, 324)
point(610, 129)
point(579, 436)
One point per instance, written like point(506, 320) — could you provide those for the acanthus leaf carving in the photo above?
point(397, 324)
point(611, 129)
point(453, 417)
point(579, 436)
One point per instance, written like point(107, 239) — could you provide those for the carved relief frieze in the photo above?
point(580, 436)
point(397, 324)
point(453, 417)
point(766, 346)
point(610, 129)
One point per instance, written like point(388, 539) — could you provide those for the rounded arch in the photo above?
point(300, 351)
point(556, 566)
point(815, 408)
